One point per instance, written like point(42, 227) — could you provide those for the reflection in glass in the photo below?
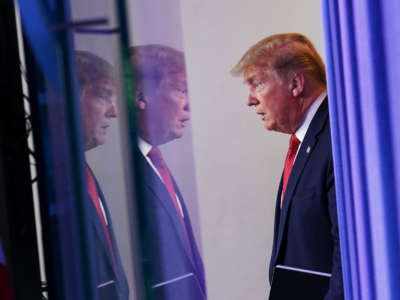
point(173, 267)
point(98, 107)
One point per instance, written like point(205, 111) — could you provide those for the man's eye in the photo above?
point(103, 96)
point(257, 84)
point(181, 90)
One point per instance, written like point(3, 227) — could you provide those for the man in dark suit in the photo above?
point(287, 87)
point(173, 268)
point(98, 107)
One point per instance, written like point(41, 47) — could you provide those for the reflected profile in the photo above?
point(98, 107)
point(173, 267)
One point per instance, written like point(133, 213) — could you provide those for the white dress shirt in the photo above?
point(309, 115)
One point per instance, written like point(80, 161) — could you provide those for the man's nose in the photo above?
point(112, 111)
point(251, 100)
point(186, 107)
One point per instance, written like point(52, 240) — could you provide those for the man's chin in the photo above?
point(98, 142)
point(268, 126)
point(273, 126)
point(177, 134)
point(167, 137)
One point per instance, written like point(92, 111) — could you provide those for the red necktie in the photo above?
point(158, 161)
point(94, 195)
point(290, 156)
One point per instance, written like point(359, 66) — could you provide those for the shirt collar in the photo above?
point(144, 146)
point(309, 115)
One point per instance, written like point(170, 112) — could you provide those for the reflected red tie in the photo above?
point(158, 161)
point(6, 292)
point(290, 156)
point(94, 195)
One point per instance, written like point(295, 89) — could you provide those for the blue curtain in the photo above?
point(362, 39)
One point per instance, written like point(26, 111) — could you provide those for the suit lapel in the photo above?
point(99, 230)
point(276, 229)
point(112, 236)
point(305, 151)
point(157, 187)
point(195, 250)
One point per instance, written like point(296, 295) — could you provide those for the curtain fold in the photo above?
point(362, 40)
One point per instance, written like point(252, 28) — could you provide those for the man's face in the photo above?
point(98, 106)
point(168, 110)
point(271, 98)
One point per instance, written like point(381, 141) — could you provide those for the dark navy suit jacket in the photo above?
point(110, 283)
point(173, 269)
point(306, 229)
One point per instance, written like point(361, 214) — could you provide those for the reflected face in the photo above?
point(168, 110)
point(98, 106)
point(271, 98)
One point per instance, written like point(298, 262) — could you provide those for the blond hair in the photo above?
point(284, 53)
point(91, 69)
point(152, 63)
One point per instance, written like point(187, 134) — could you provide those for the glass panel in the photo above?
point(167, 194)
point(111, 212)
point(84, 173)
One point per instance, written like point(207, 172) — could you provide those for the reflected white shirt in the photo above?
point(145, 148)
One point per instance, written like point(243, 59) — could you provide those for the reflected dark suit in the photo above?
point(110, 286)
point(306, 230)
point(172, 269)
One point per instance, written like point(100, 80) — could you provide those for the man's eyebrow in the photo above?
point(106, 90)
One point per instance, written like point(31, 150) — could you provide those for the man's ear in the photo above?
point(296, 83)
point(140, 100)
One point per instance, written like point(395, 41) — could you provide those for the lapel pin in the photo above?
point(308, 150)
